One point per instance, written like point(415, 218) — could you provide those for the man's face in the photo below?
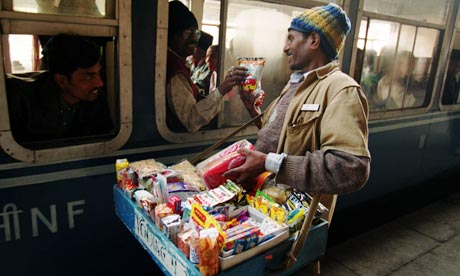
point(83, 85)
point(184, 42)
point(297, 50)
point(211, 58)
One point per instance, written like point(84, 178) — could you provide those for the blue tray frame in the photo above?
point(173, 262)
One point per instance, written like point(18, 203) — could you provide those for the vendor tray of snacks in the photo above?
point(209, 218)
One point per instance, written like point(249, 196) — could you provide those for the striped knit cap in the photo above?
point(330, 22)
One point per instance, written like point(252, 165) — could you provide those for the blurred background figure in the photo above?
point(451, 86)
point(198, 67)
point(369, 75)
point(392, 88)
point(212, 56)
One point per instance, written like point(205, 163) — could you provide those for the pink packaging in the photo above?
point(212, 168)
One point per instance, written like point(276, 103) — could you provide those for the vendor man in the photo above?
point(314, 136)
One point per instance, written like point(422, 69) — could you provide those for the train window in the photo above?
point(248, 26)
point(25, 77)
point(427, 10)
point(397, 62)
point(89, 8)
point(211, 19)
point(24, 54)
point(241, 31)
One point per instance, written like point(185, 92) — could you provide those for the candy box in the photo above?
point(277, 236)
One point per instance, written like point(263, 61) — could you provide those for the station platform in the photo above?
point(423, 241)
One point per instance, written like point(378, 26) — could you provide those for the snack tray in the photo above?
point(173, 262)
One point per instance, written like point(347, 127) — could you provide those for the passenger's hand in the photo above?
point(251, 168)
point(234, 77)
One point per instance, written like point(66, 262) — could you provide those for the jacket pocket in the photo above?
point(302, 135)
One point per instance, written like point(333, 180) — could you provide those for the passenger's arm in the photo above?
point(192, 114)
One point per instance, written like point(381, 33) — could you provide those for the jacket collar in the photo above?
point(324, 71)
point(318, 73)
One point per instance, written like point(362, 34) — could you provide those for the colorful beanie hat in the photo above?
point(330, 22)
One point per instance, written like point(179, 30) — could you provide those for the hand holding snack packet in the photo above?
point(251, 91)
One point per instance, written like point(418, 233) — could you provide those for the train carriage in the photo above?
point(56, 205)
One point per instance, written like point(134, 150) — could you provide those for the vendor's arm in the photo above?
point(331, 172)
point(253, 109)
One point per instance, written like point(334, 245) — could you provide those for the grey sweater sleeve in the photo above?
point(331, 172)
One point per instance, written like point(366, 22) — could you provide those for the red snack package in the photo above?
point(211, 169)
point(252, 87)
point(174, 202)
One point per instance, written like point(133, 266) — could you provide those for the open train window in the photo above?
point(28, 28)
point(87, 8)
point(241, 31)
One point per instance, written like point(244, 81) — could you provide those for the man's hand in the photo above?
point(251, 102)
point(235, 77)
point(251, 168)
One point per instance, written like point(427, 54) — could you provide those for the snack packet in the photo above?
point(211, 169)
point(252, 87)
point(120, 166)
point(209, 252)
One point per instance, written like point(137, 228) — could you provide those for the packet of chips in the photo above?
point(252, 87)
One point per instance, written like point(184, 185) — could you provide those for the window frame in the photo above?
point(13, 22)
point(433, 87)
point(160, 86)
point(452, 30)
point(160, 76)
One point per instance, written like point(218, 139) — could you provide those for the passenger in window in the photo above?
point(186, 110)
point(451, 87)
point(369, 76)
point(64, 101)
point(314, 136)
point(198, 67)
point(393, 88)
point(212, 55)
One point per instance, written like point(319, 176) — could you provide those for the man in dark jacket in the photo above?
point(64, 101)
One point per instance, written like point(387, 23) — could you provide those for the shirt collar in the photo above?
point(321, 72)
point(298, 76)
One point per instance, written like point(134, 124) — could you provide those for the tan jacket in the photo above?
point(329, 111)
